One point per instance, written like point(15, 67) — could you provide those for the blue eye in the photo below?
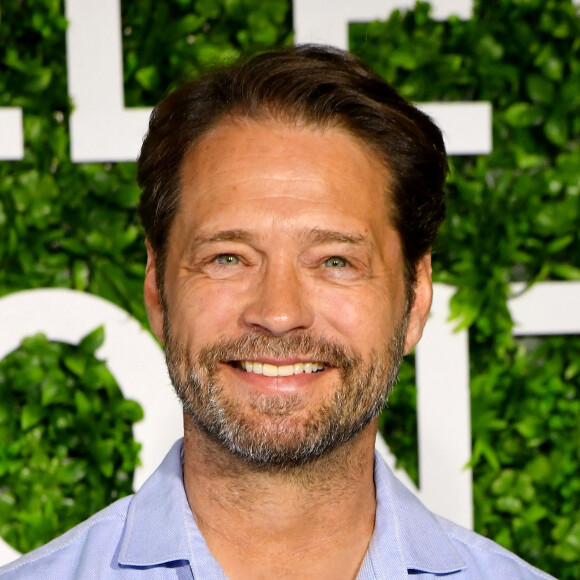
point(227, 260)
point(335, 262)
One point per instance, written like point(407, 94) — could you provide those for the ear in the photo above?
point(421, 305)
point(153, 302)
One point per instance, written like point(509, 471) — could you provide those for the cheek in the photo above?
point(362, 318)
point(205, 312)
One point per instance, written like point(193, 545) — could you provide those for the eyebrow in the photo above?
point(221, 236)
point(328, 236)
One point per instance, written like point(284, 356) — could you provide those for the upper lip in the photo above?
point(281, 362)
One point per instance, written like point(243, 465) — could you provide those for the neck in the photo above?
point(308, 521)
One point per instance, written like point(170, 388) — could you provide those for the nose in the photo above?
point(279, 302)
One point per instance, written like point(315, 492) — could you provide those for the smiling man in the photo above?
point(290, 203)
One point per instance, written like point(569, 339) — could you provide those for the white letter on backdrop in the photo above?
point(547, 308)
point(101, 128)
point(11, 134)
point(466, 126)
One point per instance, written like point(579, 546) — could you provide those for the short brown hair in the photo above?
point(312, 85)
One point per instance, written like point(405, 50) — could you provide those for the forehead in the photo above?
point(283, 171)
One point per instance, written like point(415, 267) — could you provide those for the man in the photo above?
point(290, 203)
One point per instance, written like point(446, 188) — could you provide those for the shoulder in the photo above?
point(94, 540)
point(485, 558)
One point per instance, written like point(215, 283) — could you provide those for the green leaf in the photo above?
point(40, 80)
point(559, 244)
point(53, 392)
point(556, 129)
point(535, 513)
point(82, 403)
point(148, 77)
point(93, 340)
point(489, 48)
point(509, 504)
point(540, 89)
point(504, 482)
point(523, 115)
point(207, 8)
point(530, 427)
point(540, 468)
point(130, 411)
point(80, 275)
point(128, 196)
point(190, 23)
point(569, 548)
point(75, 363)
point(566, 271)
point(31, 415)
point(72, 472)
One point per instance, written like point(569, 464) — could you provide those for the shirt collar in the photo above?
point(161, 529)
point(407, 534)
point(155, 529)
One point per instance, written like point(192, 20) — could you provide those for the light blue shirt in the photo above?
point(153, 535)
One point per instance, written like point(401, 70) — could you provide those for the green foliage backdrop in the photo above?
point(68, 448)
point(514, 215)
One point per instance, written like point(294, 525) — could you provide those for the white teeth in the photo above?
point(286, 371)
point(269, 370)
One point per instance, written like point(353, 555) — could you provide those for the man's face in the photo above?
point(283, 314)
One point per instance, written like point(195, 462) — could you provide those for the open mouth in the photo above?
point(270, 370)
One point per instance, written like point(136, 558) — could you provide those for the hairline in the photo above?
point(269, 113)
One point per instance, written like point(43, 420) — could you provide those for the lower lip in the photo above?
point(291, 384)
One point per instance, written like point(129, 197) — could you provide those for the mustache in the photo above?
point(256, 345)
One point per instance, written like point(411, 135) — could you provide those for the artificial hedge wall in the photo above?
point(68, 447)
point(514, 215)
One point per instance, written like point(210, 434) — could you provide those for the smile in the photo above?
point(269, 370)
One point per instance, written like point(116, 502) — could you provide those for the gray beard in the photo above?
point(268, 432)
